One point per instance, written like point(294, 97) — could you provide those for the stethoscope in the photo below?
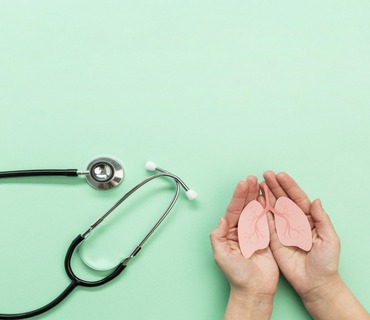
point(101, 173)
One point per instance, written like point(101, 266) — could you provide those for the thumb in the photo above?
point(218, 237)
point(321, 220)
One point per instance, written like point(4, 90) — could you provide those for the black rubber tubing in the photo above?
point(37, 173)
point(74, 283)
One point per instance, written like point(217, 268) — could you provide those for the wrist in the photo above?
point(334, 301)
point(321, 301)
point(324, 291)
point(252, 297)
point(247, 305)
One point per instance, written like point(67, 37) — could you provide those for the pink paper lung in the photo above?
point(292, 225)
point(253, 231)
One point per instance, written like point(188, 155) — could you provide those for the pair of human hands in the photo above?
point(308, 272)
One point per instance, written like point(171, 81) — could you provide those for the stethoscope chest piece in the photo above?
point(104, 173)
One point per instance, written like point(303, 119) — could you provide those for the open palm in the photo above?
point(306, 271)
point(260, 273)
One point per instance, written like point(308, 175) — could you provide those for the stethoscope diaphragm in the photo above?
point(104, 173)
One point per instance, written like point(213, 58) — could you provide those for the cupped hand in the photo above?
point(257, 275)
point(308, 272)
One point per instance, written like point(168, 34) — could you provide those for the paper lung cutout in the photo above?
point(292, 226)
point(253, 230)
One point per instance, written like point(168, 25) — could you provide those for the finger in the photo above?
point(253, 189)
point(324, 227)
point(271, 198)
point(271, 223)
point(218, 237)
point(294, 192)
point(274, 185)
point(262, 201)
point(270, 219)
point(236, 204)
point(274, 239)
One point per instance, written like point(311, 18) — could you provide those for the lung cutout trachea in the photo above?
point(292, 226)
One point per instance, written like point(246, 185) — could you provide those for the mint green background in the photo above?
point(211, 90)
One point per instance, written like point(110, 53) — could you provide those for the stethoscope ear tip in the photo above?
point(150, 166)
point(191, 194)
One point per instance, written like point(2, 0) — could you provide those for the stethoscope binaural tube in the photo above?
point(102, 173)
point(76, 281)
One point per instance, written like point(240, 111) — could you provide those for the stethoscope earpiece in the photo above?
point(104, 173)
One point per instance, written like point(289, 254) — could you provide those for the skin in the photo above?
point(314, 274)
point(253, 281)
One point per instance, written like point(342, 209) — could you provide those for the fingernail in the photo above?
point(320, 203)
point(251, 177)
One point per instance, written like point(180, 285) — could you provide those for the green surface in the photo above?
point(211, 90)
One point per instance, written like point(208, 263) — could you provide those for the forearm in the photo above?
point(242, 306)
point(334, 301)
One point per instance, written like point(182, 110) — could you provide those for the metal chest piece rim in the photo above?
point(104, 173)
